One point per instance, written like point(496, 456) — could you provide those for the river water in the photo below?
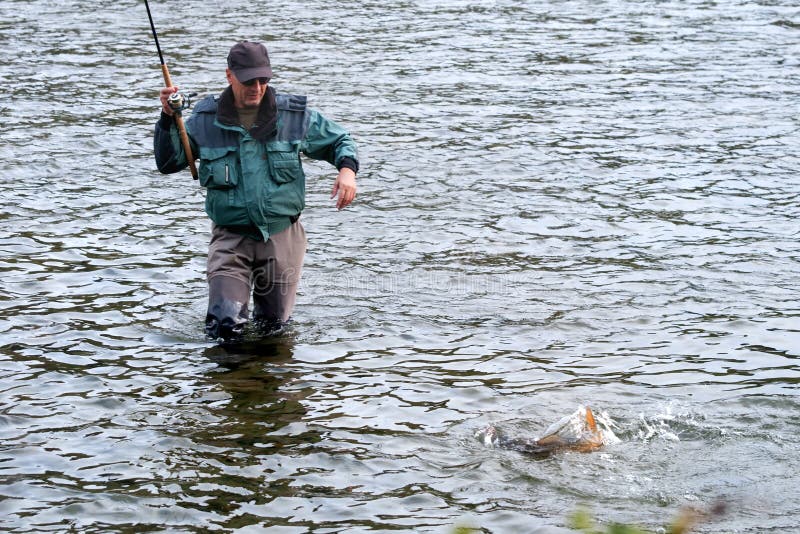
point(561, 203)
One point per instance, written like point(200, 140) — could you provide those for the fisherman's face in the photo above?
point(248, 94)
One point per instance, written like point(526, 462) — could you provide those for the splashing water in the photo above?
point(582, 431)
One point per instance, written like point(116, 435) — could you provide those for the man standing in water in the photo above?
point(248, 141)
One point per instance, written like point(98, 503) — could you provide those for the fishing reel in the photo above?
point(180, 101)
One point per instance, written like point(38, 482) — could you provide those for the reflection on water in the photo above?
point(561, 204)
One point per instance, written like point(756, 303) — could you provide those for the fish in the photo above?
point(577, 432)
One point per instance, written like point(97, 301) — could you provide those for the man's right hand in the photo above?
point(165, 92)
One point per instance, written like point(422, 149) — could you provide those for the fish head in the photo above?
point(488, 436)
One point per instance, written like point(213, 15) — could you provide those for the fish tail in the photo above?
point(590, 422)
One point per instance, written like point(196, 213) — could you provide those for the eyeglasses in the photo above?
point(262, 81)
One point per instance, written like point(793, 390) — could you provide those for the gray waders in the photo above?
point(240, 267)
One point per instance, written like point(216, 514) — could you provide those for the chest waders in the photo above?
point(238, 267)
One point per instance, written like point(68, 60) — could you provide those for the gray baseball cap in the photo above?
point(248, 60)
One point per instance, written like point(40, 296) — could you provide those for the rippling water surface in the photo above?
point(561, 203)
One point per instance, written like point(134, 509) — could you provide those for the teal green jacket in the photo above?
point(254, 179)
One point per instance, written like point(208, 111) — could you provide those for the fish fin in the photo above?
point(590, 422)
point(597, 437)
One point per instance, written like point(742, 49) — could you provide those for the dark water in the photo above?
point(561, 203)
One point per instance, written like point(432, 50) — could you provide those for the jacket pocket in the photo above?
point(284, 161)
point(218, 168)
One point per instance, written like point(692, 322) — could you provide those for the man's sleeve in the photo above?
point(326, 140)
point(169, 153)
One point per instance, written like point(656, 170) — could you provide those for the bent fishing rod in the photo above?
point(176, 101)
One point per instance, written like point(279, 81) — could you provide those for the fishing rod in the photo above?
point(176, 101)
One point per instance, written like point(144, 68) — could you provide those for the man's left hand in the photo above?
point(345, 186)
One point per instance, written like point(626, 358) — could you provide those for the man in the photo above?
point(248, 141)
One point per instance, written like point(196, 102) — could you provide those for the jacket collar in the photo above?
point(266, 120)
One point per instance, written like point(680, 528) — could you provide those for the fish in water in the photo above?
point(576, 432)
